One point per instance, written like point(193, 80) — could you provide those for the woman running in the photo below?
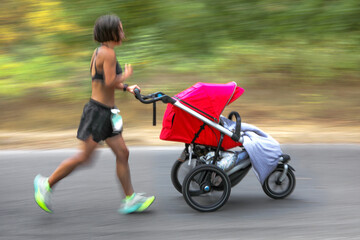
point(100, 120)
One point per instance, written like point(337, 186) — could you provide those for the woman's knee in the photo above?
point(123, 155)
point(82, 158)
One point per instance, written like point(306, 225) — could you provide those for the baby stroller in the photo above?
point(214, 158)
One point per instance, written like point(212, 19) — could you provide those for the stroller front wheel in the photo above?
point(277, 189)
point(206, 188)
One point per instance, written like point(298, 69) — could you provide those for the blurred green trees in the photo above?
point(46, 45)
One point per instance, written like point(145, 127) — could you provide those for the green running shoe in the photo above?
point(42, 193)
point(136, 203)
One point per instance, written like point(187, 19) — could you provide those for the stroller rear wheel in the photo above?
point(277, 189)
point(179, 171)
point(206, 188)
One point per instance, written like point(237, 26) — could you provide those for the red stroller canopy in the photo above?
point(207, 99)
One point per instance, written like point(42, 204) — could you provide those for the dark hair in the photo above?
point(107, 28)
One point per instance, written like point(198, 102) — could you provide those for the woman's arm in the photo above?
point(109, 68)
point(111, 79)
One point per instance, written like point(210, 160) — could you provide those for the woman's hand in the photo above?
point(131, 88)
point(128, 71)
point(120, 79)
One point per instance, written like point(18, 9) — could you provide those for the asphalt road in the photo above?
point(324, 205)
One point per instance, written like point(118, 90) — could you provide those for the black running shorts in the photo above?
point(95, 122)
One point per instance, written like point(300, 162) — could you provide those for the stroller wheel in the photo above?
point(279, 189)
point(178, 172)
point(206, 188)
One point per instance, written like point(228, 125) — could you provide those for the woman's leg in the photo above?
point(121, 152)
point(67, 166)
point(133, 202)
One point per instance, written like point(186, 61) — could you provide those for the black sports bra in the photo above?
point(100, 76)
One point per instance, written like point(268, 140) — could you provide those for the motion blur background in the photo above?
point(298, 62)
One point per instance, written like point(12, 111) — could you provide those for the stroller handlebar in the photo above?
point(153, 97)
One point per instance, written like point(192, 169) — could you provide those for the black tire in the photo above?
point(276, 190)
point(179, 171)
point(204, 184)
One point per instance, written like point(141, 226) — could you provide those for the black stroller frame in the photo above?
point(205, 186)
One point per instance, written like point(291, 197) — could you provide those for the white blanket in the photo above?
point(264, 151)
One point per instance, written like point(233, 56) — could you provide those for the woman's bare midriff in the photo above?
point(102, 93)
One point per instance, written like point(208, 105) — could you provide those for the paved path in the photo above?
point(324, 205)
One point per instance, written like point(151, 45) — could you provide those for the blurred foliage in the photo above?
point(46, 45)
